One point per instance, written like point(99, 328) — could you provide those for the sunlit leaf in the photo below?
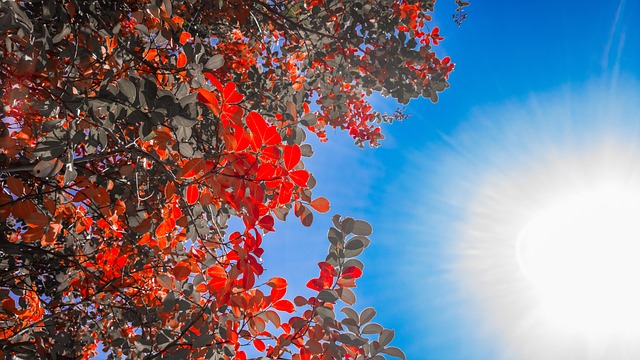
point(181, 271)
point(192, 193)
point(284, 305)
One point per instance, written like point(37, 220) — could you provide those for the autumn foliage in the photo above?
point(133, 131)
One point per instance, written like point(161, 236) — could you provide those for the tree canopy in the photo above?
point(133, 131)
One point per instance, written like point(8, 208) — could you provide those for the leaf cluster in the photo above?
point(133, 132)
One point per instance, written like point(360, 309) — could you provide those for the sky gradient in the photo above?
point(530, 77)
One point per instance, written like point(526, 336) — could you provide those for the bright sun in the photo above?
point(581, 254)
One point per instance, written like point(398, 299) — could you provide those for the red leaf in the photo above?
point(285, 192)
point(218, 277)
point(9, 305)
point(214, 81)
point(242, 138)
point(266, 171)
point(240, 355)
point(291, 156)
point(327, 269)
point(182, 270)
point(259, 345)
point(261, 132)
point(232, 113)
point(315, 284)
point(277, 294)
point(121, 261)
point(209, 99)
point(352, 271)
point(284, 305)
point(271, 136)
point(270, 154)
point(305, 354)
point(300, 177)
point(36, 219)
point(192, 194)
point(16, 186)
point(193, 167)
point(216, 271)
point(266, 222)
point(277, 283)
point(144, 239)
point(165, 227)
point(182, 60)
point(257, 125)
point(321, 205)
point(230, 94)
point(327, 280)
point(184, 37)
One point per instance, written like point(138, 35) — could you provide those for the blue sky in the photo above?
point(515, 61)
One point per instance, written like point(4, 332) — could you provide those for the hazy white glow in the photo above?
point(583, 256)
point(545, 246)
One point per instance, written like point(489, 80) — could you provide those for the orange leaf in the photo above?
point(218, 278)
point(216, 271)
point(182, 270)
point(321, 204)
point(144, 239)
point(277, 283)
point(165, 227)
point(151, 54)
point(284, 305)
point(209, 99)
point(192, 194)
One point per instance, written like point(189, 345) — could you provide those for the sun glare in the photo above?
point(545, 237)
point(581, 254)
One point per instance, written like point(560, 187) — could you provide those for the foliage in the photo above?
point(134, 131)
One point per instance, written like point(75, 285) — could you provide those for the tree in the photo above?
point(133, 131)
